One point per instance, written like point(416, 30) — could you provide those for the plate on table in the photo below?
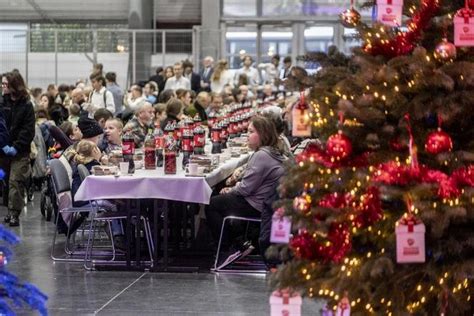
point(104, 170)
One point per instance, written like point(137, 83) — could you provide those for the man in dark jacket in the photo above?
point(193, 77)
point(15, 157)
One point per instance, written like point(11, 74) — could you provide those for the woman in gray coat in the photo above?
point(262, 175)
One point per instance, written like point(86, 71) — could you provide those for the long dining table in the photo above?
point(155, 184)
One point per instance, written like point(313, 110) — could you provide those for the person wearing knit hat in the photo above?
point(90, 129)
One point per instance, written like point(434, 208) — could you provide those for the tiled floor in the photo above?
point(74, 291)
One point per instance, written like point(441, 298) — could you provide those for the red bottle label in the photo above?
point(159, 142)
point(199, 140)
point(215, 135)
point(128, 148)
point(187, 144)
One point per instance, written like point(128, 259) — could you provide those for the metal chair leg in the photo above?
point(219, 244)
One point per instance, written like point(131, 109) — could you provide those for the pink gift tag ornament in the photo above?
point(464, 27)
point(284, 303)
point(389, 12)
point(410, 233)
point(301, 122)
point(281, 230)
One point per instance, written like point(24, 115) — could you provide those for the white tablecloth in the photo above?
point(154, 184)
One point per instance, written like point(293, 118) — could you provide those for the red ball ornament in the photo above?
point(445, 51)
point(438, 142)
point(302, 203)
point(349, 18)
point(339, 146)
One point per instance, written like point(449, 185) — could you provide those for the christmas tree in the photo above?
point(12, 290)
point(382, 201)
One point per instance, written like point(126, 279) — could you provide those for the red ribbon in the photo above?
point(465, 12)
point(410, 220)
point(411, 146)
point(285, 295)
point(341, 118)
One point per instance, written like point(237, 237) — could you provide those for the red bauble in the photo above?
point(438, 142)
point(445, 51)
point(302, 203)
point(339, 146)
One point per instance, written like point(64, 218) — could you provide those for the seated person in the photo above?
point(160, 114)
point(88, 154)
point(113, 135)
point(141, 123)
point(261, 176)
point(71, 130)
point(174, 112)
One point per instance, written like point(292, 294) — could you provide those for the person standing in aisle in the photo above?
point(15, 157)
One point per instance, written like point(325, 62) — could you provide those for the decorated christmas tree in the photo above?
point(12, 290)
point(14, 294)
point(382, 201)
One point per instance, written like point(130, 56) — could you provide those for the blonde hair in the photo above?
point(117, 122)
point(221, 66)
point(84, 152)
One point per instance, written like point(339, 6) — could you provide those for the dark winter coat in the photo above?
point(4, 133)
point(20, 120)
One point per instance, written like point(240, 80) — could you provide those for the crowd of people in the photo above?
point(94, 114)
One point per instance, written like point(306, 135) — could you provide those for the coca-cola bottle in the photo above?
point(216, 138)
point(159, 137)
point(169, 129)
point(211, 119)
point(170, 154)
point(150, 154)
point(199, 140)
point(197, 120)
point(128, 150)
point(224, 134)
point(232, 127)
point(186, 143)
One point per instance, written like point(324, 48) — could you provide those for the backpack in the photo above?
point(105, 97)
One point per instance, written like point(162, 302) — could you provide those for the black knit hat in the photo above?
point(89, 127)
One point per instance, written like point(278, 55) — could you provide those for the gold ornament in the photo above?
point(350, 18)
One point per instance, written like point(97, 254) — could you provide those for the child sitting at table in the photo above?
point(261, 177)
point(88, 154)
point(113, 134)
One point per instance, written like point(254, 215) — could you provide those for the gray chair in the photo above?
point(255, 269)
point(62, 192)
point(108, 217)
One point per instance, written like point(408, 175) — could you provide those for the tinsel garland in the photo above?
point(449, 186)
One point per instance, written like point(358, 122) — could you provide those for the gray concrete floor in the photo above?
point(74, 291)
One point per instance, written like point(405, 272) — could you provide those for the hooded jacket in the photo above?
point(262, 175)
